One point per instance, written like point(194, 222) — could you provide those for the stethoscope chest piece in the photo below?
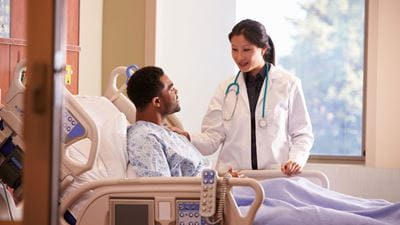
point(262, 122)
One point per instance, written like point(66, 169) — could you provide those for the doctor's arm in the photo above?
point(299, 130)
point(212, 130)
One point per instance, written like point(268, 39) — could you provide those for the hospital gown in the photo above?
point(154, 150)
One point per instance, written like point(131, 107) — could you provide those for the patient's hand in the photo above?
point(291, 168)
point(179, 131)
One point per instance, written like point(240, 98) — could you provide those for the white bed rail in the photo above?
point(96, 207)
point(315, 176)
point(69, 168)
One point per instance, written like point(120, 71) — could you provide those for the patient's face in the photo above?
point(169, 97)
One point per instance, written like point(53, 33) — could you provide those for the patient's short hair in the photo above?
point(144, 85)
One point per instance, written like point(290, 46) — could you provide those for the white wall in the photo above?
point(362, 181)
point(90, 37)
point(383, 95)
point(193, 49)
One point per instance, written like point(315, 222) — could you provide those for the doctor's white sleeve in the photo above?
point(212, 130)
point(299, 126)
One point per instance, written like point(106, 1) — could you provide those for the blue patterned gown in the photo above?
point(154, 150)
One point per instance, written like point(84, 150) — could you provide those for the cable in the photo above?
point(7, 201)
point(221, 203)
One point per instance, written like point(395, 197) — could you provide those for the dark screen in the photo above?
point(131, 214)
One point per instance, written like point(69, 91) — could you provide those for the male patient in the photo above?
point(154, 150)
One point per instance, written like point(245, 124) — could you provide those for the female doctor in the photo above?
point(259, 116)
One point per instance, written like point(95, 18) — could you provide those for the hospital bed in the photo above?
point(301, 199)
point(154, 200)
point(107, 199)
point(161, 199)
point(99, 189)
point(11, 146)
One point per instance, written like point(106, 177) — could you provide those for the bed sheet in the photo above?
point(299, 201)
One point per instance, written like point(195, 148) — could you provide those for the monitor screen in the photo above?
point(132, 212)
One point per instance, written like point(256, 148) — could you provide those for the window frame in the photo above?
point(358, 160)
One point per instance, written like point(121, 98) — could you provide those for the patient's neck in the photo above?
point(150, 116)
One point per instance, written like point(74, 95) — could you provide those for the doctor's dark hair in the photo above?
point(144, 85)
point(255, 33)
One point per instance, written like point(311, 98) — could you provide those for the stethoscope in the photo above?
point(235, 85)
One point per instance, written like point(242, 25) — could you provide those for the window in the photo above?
point(322, 42)
point(4, 18)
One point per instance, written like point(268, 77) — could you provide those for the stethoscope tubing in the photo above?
point(236, 84)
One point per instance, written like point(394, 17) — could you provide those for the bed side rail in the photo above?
point(315, 176)
point(154, 187)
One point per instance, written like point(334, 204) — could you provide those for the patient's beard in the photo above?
point(170, 110)
point(177, 109)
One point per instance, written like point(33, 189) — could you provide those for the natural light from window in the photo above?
point(321, 42)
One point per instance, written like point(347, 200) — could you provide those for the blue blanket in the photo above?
point(298, 201)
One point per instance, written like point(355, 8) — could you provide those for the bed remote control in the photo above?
point(208, 192)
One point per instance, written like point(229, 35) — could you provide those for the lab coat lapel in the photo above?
point(243, 90)
point(272, 75)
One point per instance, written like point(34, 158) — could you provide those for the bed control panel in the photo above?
point(72, 128)
point(208, 193)
point(188, 213)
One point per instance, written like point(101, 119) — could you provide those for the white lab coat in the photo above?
point(288, 134)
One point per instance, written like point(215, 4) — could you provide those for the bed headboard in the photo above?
point(118, 98)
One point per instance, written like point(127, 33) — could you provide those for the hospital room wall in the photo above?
point(383, 93)
point(192, 47)
point(111, 35)
point(123, 35)
point(90, 61)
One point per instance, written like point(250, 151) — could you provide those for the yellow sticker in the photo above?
point(68, 75)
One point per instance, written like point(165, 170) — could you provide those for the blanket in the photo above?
point(299, 201)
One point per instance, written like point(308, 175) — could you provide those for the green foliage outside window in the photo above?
point(328, 56)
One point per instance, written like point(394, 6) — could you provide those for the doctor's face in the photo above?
point(169, 102)
point(247, 56)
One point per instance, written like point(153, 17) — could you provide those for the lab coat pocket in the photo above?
point(279, 114)
point(240, 117)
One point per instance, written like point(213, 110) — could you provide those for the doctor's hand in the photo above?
point(179, 131)
point(235, 173)
point(290, 168)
